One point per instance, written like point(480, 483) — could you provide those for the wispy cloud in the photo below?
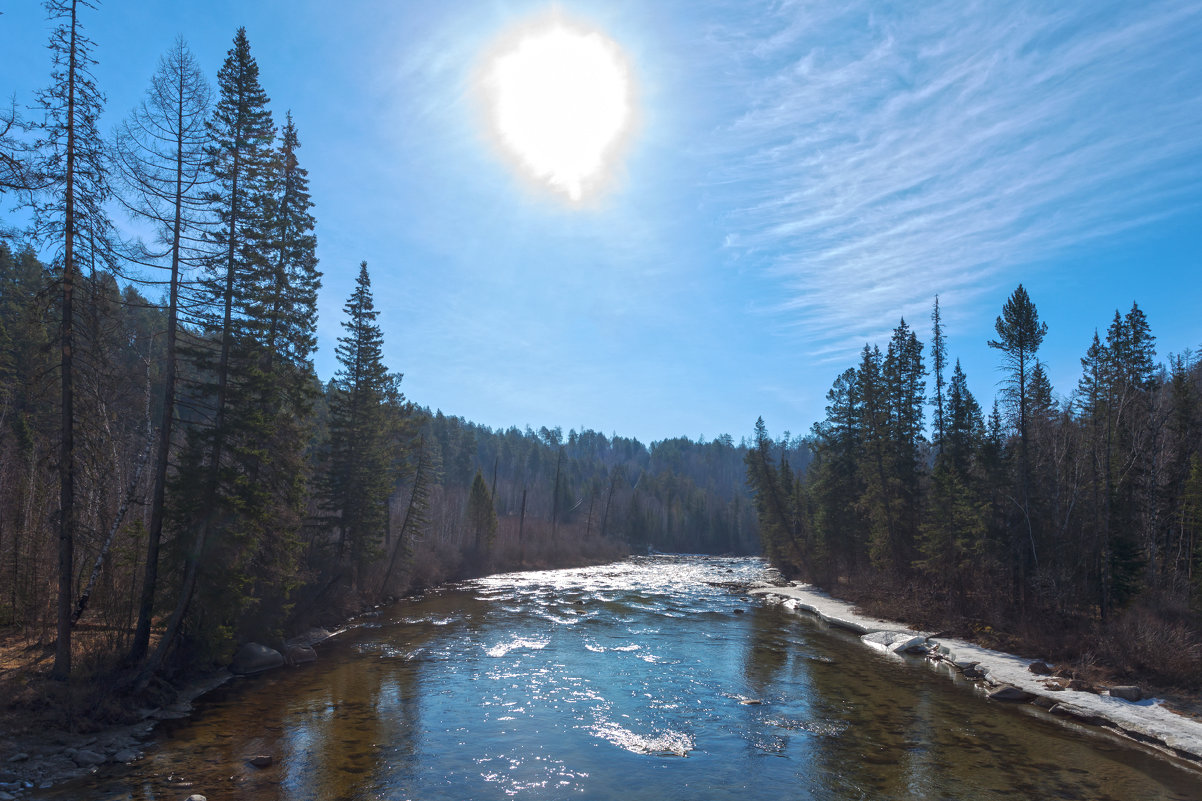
point(882, 156)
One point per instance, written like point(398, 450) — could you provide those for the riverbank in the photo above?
point(1145, 720)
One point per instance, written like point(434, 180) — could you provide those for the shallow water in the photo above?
point(623, 681)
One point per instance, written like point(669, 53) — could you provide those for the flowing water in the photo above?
point(645, 679)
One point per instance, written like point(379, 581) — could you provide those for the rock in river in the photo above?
point(299, 654)
point(255, 658)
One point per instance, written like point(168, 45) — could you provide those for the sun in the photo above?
point(559, 99)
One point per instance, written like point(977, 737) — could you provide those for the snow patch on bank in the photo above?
point(1146, 721)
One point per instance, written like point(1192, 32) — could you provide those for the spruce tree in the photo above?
point(215, 488)
point(965, 432)
point(362, 470)
point(481, 517)
point(288, 278)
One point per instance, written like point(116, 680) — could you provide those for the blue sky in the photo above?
point(800, 176)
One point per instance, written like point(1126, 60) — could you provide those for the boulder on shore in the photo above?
point(1040, 668)
point(299, 654)
point(312, 637)
point(1128, 692)
point(253, 657)
point(1009, 693)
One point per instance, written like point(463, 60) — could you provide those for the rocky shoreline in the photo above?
point(58, 757)
point(1007, 678)
point(39, 763)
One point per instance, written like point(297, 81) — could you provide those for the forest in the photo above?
point(175, 479)
point(1070, 526)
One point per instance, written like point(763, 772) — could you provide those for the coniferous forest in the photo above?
point(1070, 524)
point(174, 477)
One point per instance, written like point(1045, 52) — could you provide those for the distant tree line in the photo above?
point(1079, 516)
point(174, 478)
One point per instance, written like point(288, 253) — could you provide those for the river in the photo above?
point(645, 679)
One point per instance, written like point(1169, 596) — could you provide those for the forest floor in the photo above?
point(52, 730)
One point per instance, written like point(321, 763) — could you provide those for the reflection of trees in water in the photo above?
point(767, 648)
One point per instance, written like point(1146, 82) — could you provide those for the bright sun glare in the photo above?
point(560, 102)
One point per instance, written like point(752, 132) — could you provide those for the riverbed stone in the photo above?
point(299, 654)
point(196, 797)
point(125, 755)
point(255, 658)
point(85, 758)
point(261, 760)
point(1011, 693)
point(1040, 668)
point(1128, 692)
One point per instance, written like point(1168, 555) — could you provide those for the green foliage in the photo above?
point(481, 515)
point(366, 415)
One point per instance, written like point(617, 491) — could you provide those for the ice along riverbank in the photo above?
point(1146, 721)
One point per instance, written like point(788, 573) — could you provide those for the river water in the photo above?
point(637, 680)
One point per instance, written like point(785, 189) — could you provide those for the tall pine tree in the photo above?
point(73, 172)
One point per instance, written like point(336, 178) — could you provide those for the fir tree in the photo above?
point(222, 483)
point(288, 279)
point(481, 517)
point(362, 471)
point(965, 432)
